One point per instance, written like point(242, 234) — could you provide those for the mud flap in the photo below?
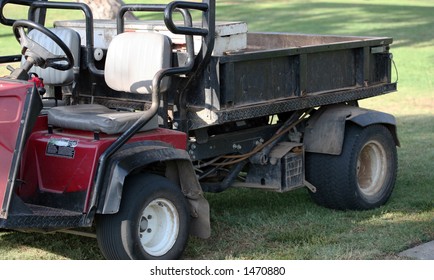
point(325, 130)
point(199, 206)
point(179, 170)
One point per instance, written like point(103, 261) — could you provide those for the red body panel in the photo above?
point(12, 98)
point(69, 164)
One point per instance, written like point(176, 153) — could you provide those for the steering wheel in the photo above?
point(36, 54)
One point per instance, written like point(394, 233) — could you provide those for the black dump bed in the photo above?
point(281, 72)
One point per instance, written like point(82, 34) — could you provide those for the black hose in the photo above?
point(227, 182)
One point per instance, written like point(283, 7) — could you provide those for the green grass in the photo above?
point(252, 224)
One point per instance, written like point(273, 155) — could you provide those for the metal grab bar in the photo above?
point(89, 26)
point(3, 3)
point(163, 8)
point(187, 30)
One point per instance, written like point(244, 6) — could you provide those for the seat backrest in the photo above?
point(72, 39)
point(133, 59)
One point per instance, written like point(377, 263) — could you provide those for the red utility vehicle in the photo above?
point(126, 130)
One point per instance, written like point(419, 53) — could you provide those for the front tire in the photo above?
point(362, 177)
point(152, 222)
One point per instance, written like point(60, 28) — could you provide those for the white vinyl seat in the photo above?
point(132, 61)
point(54, 77)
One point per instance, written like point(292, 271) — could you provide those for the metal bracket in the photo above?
point(380, 49)
point(308, 185)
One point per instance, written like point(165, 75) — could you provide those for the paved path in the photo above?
point(422, 252)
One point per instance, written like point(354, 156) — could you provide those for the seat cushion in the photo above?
point(133, 59)
point(97, 118)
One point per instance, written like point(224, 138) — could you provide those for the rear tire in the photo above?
point(362, 177)
point(152, 222)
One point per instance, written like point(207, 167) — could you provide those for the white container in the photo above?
point(230, 36)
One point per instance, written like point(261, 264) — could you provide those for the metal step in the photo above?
point(43, 218)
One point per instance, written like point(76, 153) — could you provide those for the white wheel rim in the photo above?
point(371, 168)
point(158, 227)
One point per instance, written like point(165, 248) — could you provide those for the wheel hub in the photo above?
point(371, 168)
point(144, 225)
point(158, 227)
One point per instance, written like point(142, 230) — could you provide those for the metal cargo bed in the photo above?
point(281, 72)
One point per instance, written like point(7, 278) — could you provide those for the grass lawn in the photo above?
point(252, 224)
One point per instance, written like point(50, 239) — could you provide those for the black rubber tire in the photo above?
point(339, 183)
point(118, 234)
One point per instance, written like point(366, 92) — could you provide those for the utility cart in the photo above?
point(123, 125)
